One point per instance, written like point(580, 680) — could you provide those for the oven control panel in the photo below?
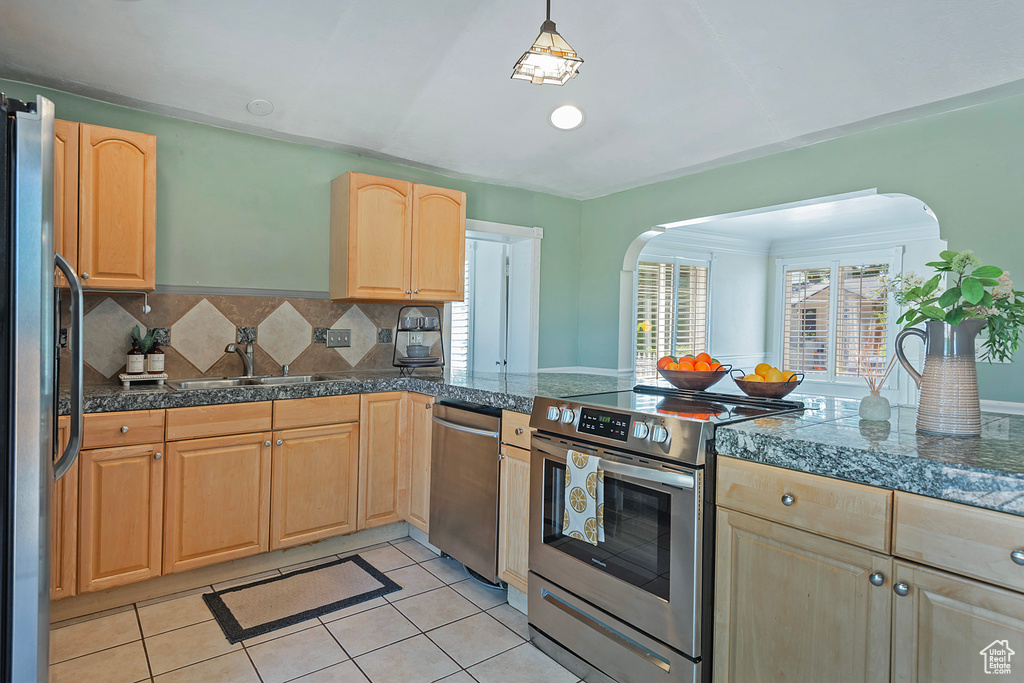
point(602, 423)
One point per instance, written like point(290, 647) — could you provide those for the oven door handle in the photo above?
point(682, 480)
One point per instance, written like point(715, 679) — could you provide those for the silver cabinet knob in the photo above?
point(266, 443)
point(877, 579)
point(901, 589)
point(157, 456)
point(416, 291)
point(124, 429)
point(408, 291)
point(1017, 556)
point(279, 442)
point(519, 431)
point(85, 276)
point(788, 500)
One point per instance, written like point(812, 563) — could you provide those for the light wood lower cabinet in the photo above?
point(383, 466)
point(314, 478)
point(791, 605)
point(217, 500)
point(64, 524)
point(944, 622)
point(120, 515)
point(421, 424)
point(514, 517)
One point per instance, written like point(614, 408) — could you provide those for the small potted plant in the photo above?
point(975, 296)
point(141, 345)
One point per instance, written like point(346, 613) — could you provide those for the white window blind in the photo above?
point(461, 325)
point(835, 325)
point(671, 312)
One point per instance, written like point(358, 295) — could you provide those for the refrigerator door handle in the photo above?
point(67, 458)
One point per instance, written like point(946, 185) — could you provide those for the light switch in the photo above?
point(339, 338)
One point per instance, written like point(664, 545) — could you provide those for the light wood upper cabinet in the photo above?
point(117, 209)
point(64, 524)
point(438, 243)
point(943, 623)
point(65, 192)
point(514, 516)
point(217, 500)
point(314, 484)
point(383, 459)
point(120, 515)
point(420, 431)
point(390, 238)
point(794, 606)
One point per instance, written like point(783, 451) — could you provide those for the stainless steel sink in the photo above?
point(212, 383)
point(289, 379)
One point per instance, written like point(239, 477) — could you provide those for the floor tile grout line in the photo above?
point(145, 650)
point(255, 668)
point(199, 661)
point(71, 659)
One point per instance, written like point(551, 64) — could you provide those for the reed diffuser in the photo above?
point(874, 406)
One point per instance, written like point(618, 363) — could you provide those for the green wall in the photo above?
point(967, 165)
point(240, 210)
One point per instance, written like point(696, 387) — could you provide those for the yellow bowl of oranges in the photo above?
point(696, 373)
point(767, 381)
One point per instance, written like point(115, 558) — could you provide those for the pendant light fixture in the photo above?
point(550, 60)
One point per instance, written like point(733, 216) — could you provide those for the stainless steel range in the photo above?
point(637, 607)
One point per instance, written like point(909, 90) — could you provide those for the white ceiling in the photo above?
point(668, 87)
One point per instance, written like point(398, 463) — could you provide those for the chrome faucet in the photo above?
point(247, 356)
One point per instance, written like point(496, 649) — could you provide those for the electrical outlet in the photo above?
point(415, 338)
point(339, 338)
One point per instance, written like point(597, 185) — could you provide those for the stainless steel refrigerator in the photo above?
point(29, 354)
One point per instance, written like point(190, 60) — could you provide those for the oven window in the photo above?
point(636, 530)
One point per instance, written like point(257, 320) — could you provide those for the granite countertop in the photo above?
point(511, 392)
point(830, 439)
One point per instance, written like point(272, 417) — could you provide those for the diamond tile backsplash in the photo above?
point(194, 330)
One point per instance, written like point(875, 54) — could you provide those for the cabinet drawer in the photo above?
point(960, 538)
point(515, 429)
point(103, 430)
point(848, 512)
point(234, 418)
point(309, 412)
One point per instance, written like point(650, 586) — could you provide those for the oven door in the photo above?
point(647, 571)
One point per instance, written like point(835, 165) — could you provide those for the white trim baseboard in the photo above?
point(1008, 407)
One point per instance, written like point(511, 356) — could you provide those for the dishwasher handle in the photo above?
point(467, 430)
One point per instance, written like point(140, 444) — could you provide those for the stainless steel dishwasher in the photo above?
point(464, 484)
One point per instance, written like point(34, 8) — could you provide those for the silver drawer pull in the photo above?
point(788, 500)
point(877, 579)
point(901, 589)
point(1017, 556)
point(124, 430)
point(157, 456)
point(519, 431)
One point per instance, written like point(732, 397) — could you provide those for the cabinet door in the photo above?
point(371, 220)
point(65, 193)
point(218, 500)
point(944, 627)
point(383, 465)
point(420, 432)
point(438, 244)
point(514, 517)
point(314, 484)
point(794, 606)
point(117, 221)
point(120, 515)
point(64, 524)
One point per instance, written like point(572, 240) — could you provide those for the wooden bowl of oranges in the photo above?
point(767, 381)
point(695, 373)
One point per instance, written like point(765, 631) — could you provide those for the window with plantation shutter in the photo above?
point(835, 323)
point(671, 312)
point(461, 325)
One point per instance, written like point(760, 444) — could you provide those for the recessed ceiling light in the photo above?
point(566, 117)
point(259, 107)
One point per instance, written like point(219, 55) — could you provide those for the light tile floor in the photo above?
point(442, 625)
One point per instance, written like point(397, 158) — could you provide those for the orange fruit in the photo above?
point(664, 361)
point(753, 378)
point(715, 366)
point(702, 365)
point(788, 375)
point(683, 365)
point(671, 366)
point(687, 359)
point(762, 369)
point(703, 358)
point(774, 375)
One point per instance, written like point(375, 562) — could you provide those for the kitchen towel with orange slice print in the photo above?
point(584, 498)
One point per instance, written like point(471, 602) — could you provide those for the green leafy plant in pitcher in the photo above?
point(976, 296)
